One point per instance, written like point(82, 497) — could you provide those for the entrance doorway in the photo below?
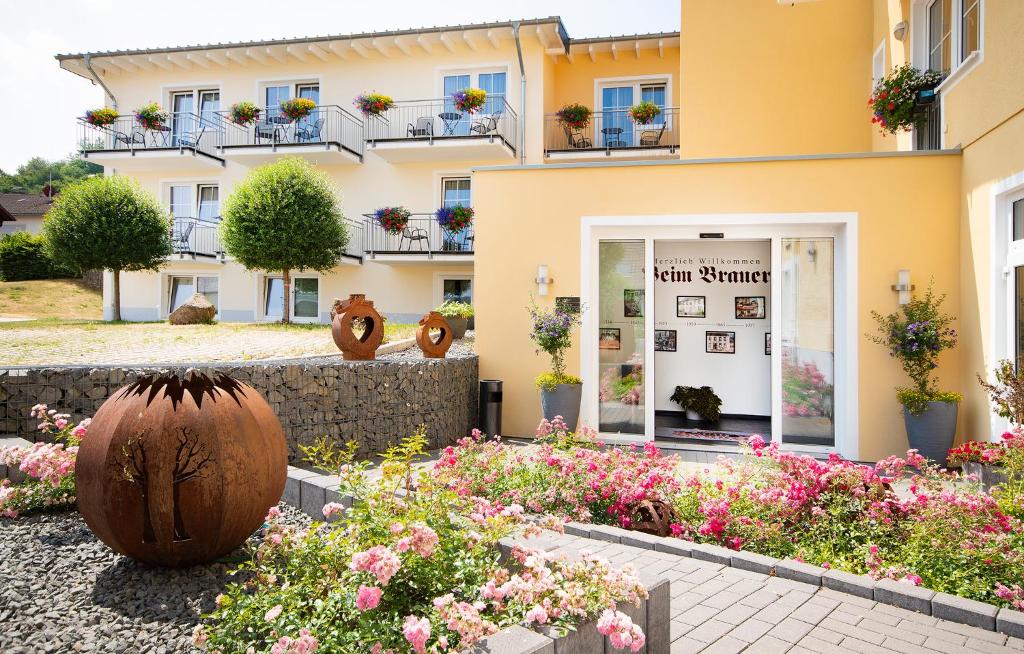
point(762, 312)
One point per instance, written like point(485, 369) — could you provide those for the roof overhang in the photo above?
point(549, 32)
point(634, 46)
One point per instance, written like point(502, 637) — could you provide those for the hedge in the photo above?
point(23, 256)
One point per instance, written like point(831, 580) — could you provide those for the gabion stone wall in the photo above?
point(375, 403)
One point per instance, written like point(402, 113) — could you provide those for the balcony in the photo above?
point(612, 134)
point(423, 240)
point(928, 130)
point(329, 135)
point(192, 238)
point(127, 145)
point(434, 130)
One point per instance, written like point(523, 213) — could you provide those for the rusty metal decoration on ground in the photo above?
point(179, 470)
point(434, 348)
point(654, 517)
point(357, 309)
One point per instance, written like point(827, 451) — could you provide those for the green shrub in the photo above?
point(453, 309)
point(23, 256)
point(702, 401)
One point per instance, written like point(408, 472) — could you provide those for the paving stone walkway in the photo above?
point(721, 609)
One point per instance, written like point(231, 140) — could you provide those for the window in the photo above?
point(209, 202)
point(195, 201)
point(615, 126)
point(455, 191)
point(878, 64)
point(612, 125)
point(457, 290)
point(305, 294)
point(1018, 220)
point(953, 33)
point(939, 37)
point(969, 27)
point(184, 119)
point(273, 298)
point(493, 83)
point(181, 287)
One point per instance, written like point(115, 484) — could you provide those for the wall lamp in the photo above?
point(543, 280)
point(903, 287)
point(900, 30)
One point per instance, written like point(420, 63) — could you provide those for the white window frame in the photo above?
point(261, 296)
point(878, 68)
point(293, 84)
point(165, 288)
point(960, 65)
point(841, 226)
point(637, 82)
point(1006, 255)
point(195, 185)
point(454, 177)
point(457, 275)
point(474, 73)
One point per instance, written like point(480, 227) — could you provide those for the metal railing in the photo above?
point(354, 249)
point(427, 120)
point(182, 131)
point(327, 125)
point(422, 235)
point(196, 237)
point(613, 130)
point(928, 132)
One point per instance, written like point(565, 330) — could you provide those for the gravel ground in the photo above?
point(62, 590)
point(461, 347)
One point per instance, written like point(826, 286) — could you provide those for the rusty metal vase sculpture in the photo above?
point(180, 469)
point(434, 348)
point(346, 312)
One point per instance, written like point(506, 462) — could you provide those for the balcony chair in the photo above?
point(424, 127)
point(576, 140)
point(310, 132)
point(190, 138)
point(650, 138)
point(183, 238)
point(417, 234)
point(136, 137)
point(485, 125)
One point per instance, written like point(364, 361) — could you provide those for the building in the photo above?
point(22, 212)
point(740, 241)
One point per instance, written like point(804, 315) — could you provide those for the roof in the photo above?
point(24, 204)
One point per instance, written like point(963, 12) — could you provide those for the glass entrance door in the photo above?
point(183, 119)
point(622, 337)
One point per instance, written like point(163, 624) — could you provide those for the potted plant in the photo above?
point(915, 335)
point(244, 113)
point(151, 116)
point(455, 219)
point(469, 101)
point(373, 104)
point(699, 403)
point(101, 117)
point(644, 112)
point(392, 219)
point(560, 393)
point(896, 97)
point(574, 116)
point(457, 314)
point(297, 108)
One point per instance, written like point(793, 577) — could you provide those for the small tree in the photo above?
point(284, 217)
point(108, 223)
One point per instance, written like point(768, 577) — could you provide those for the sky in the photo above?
point(41, 101)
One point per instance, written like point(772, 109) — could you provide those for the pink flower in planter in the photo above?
point(620, 630)
point(379, 561)
point(272, 614)
point(537, 614)
point(416, 631)
point(368, 597)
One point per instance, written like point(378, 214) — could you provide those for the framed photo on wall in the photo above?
point(768, 343)
point(720, 342)
point(610, 338)
point(633, 302)
point(664, 340)
point(750, 308)
point(690, 306)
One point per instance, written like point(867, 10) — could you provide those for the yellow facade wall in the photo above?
point(759, 78)
point(897, 229)
point(575, 81)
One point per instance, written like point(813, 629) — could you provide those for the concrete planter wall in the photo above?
point(376, 403)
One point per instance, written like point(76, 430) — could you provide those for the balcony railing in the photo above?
point(183, 131)
point(613, 130)
point(354, 249)
point(928, 132)
point(427, 120)
point(422, 236)
point(196, 237)
point(327, 125)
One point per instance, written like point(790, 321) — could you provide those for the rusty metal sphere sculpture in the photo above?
point(654, 517)
point(434, 348)
point(180, 469)
point(362, 347)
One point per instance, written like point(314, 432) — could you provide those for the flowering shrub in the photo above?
point(643, 113)
point(297, 108)
point(392, 219)
point(894, 98)
point(805, 391)
point(1007, 394)
point(151, 116)
point(373, 104)
point(552, 332)
point(916, 335)
point(469, 100)
point(411, 566)
point(574, 116)
point(455, 309)
point(101, 117)
point(244, 113)
point(628, 389)
point(50, 467)
point(455, 219)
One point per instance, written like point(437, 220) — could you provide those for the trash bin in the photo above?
point(489, 421)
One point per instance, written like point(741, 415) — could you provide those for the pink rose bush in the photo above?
point(49, 466)
point(411, 566)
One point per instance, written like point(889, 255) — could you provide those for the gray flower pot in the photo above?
point(563, 401)
point(692, 415)
point(932, 432)
point(459, 326)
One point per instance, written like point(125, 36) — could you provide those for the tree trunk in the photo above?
point(285, 314)
point(117, 295)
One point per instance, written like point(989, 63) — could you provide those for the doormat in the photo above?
point(734, 437)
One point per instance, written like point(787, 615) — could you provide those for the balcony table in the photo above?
point(160, 136)
point(451, 122)
point(612, 137)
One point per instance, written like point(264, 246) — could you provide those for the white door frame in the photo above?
point(1006, 255)
point(841, 226)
